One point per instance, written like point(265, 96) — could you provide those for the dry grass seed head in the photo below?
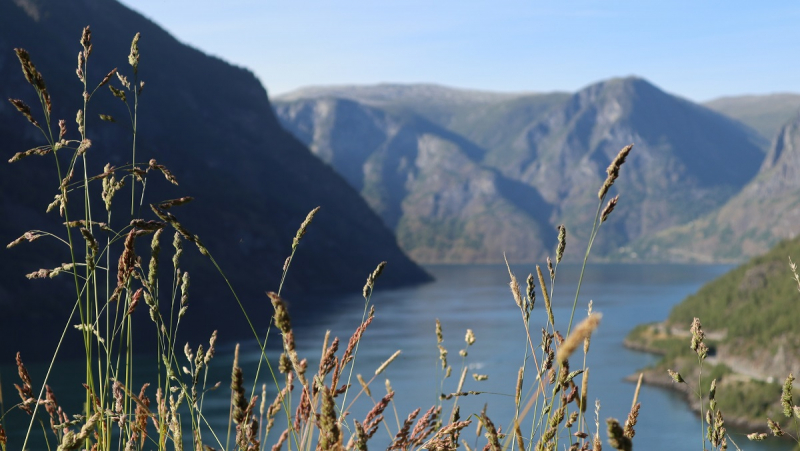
point(676, 377)
point(516, 292)
point(469, 338)
point(28, 69)
point(425, 426)
point(364, 385)
point(546, 296)
point(786, 396)
point(133, 57)
point(775, 428)
point(166, 205)
point(697, 345)
point(401, 438)
point(616, 436)
point(613, 170)
point(303, 226)
point(609, 208)
point(329, 432)
point(86, 40)
point(582, 331)
point(41, 150)
point(388, 361)
point(284, 435)
point(633, 415)
point(518, 391)
point(531, 293)
point(370, 285)
point(491, 433)
point(23, 108)
point(562, 245)
point(153, 165)
point(237, 389)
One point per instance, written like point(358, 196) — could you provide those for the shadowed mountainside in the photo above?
point(212, 124)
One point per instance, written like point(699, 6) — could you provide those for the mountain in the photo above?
point(551, 149)
point(489, 119)
point(764, 113)
point(213, 126)
point(766, 211)
point(427, 183)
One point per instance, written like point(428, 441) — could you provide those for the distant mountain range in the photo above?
point(464, 176)
point(209, 122)
point(764, 113)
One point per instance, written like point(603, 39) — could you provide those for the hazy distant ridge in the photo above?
point(541, 156)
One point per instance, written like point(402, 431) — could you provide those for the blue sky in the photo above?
point(697, 49)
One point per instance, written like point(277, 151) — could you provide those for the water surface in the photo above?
point(477, 297)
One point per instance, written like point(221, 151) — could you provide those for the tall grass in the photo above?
point(549, 405)
point(552, 407)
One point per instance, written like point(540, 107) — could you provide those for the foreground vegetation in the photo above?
point(751, 320)
point(112, 279)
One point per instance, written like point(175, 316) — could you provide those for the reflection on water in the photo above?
point(477, 297)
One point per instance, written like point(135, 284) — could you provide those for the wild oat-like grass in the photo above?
point(111, 281)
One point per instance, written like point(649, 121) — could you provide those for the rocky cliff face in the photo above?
point(764, 212)
point(426, 182)
point(210, 123)
point(551, 150)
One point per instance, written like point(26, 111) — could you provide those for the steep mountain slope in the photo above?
point(764, 113)
point(213, 126)
point(553, 147)
point(686, 160)
point(764, 212)
point(426, 182)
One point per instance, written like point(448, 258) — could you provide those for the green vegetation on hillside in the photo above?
point(755, 302)
point(750, 315)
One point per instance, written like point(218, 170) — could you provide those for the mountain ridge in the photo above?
point(561, 147)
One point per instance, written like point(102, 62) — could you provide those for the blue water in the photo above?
point(477, 297)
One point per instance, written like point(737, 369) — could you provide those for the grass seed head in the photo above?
point(613, 170)
point(582, 331)
point(628, 430)
point(616, 436)
point(86, 40)
point(23, 108)
point(470, 337)
point(302, 230)
point(786, 396)
point(676, 377)
point(388, 361)
point(562, 245)
point(697, 345)
point(133, 57)
point(609, 208)
point(546, 296)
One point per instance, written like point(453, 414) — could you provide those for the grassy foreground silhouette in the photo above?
point(111, 281)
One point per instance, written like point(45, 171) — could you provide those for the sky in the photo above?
point(696, 49)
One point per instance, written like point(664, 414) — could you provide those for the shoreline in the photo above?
point(661, 379)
